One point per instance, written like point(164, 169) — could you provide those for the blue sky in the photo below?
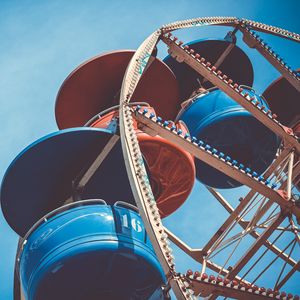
point(43, 41)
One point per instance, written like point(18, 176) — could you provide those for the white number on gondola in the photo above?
point(135, 224)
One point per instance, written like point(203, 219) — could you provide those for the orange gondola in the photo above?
point(95, 86)
point(172, 170)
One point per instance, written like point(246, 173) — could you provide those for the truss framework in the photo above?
point(265, 213)
point(263, 195)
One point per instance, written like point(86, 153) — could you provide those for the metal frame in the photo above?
point(185, 286)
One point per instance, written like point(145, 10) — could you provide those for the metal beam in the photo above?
point(80, 184)
point(235, 214)
point(255, 43)
point(196, 254)
point(258, 243)
point(218, 163)
point(205, 288)
point(254, 233)
point(272, 29)
point(288, 276)
point(209, 72)
point(290, 175)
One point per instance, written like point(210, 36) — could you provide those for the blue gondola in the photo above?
point(89, 250)
point(220, 122)
point(235, 64)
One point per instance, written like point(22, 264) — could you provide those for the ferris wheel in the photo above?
point(136, 132)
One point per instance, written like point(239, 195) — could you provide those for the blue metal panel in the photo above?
point(225, 125)
point(40, 178)
point(90, 252)
point(236, 65)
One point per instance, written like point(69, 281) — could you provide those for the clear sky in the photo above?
point(43, 41)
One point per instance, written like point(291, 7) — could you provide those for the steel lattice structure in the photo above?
point(270, 205)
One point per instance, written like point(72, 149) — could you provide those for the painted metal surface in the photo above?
point(225, 125)
point(236, 65)
point(41, 178)
point(80, 254)
point(171, 170)
point(95, 86)
point(137, 173)
point(284, 100)
point(142, 191)
point(232, 89)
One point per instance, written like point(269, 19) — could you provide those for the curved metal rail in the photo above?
point(183, 286)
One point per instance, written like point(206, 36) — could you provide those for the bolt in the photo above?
point(200, 143)
point(152, 115)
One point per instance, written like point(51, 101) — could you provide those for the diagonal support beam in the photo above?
point(254, 42)
point(254, 233)
point(196, 254)
point(235, 213)
point(252, 250)
point(210, 73)
point(288, 276)
point(218, 163)
point(80, 184)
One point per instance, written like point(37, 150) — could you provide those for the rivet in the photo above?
point(248, 170)
point(260, 178)
point(221, 155)
point(152, 115)
point(227, 158)
point(214, 151)
point(200, 143)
